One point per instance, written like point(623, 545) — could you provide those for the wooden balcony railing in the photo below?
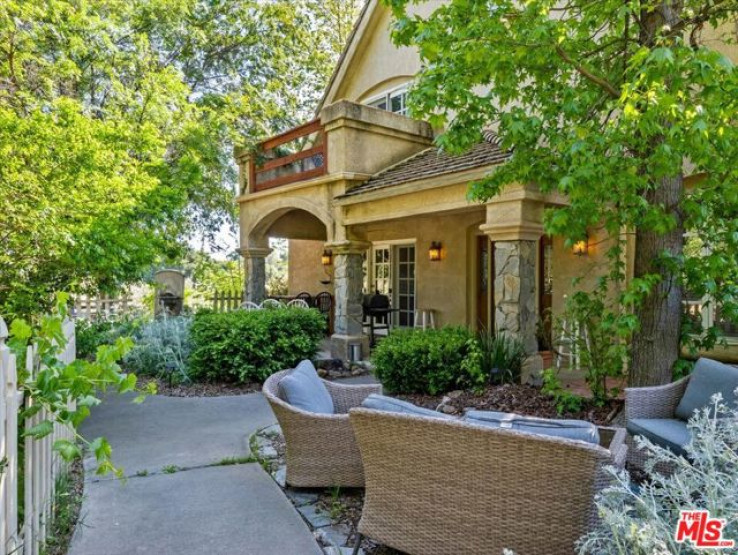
point(296, 155)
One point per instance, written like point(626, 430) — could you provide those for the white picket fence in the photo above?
point(41, 466)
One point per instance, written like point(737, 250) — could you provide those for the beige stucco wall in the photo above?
point(376, 64)
point(298, 224)
point(305, 270)
point(568, 266)
point(366, 140)
point(441, 286)
point(716, 38)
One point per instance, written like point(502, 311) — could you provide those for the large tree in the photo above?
point(608, 102)
point(117, 121)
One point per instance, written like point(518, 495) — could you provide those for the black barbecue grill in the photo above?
point(377, 314)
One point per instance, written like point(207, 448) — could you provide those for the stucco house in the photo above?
point(363, 184)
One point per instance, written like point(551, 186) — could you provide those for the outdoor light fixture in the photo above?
point(327, 258)
point(581, 247)
point(434, 252)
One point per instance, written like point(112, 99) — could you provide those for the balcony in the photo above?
point(296, 155)
point(362, 141)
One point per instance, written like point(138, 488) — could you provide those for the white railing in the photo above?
point(41, 465)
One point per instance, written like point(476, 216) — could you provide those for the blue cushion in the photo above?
point(390, 404)
point(302, 388)
point(666, 432)
point(708, 378)
point(568, 429)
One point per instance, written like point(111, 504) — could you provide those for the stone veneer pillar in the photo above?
point(515, 225)
point(348, 278)
point(255, 271)
point(515, 290)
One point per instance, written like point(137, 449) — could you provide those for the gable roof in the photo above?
point(432, 162)
point(362, 21)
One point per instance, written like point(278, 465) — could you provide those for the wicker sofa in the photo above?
point(321, 451)
point(447, 486)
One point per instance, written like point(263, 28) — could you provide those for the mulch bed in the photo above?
point(345, 508)
point(520, 399)
point(210, 389)
point(66, 512)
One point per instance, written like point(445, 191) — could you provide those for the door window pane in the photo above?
point(406, 285)
point(382, 275)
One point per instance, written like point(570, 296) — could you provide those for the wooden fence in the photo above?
point(41, 466)
point(226, 301)
point(101, 307)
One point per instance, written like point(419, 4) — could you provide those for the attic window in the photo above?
point(394, 101)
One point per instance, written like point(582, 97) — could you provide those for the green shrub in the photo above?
point(162, 348)
point(244, 346)
point(500, 357)
point(565, 400)
point(426, 361)
point(91, 334)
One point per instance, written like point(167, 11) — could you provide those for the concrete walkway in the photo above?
point(179, 497)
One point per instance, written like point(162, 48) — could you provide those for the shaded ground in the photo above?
point(177, 499)
point(166, 431)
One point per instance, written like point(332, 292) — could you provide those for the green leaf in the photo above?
point(19, 329)
point(68, 450)
point(40, 430)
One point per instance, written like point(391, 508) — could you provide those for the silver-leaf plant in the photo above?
point(642, 519)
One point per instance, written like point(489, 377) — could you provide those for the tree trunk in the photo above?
point(655, 346)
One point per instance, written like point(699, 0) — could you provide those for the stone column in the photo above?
point(515, 291)
point(515, 224)
point(255, 271)
point(348, 280)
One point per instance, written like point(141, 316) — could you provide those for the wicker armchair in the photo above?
point(321, 450)
point(435, 487)
point(651, 402)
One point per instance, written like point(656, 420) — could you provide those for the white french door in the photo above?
point(393, 274)
point(405, 290)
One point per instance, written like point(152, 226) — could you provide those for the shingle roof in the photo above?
point(433, 162)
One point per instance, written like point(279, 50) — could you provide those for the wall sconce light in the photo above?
point(434, 252)
point(581, 247)
point(327, 258)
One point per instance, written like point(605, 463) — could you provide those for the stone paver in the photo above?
point(216, 509)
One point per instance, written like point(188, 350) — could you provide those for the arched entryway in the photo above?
point(307, 277)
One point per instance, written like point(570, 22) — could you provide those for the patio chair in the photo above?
point(324, 302)
point(321, 450)
point(660, 413)
point(248, 305)
point(271, 303)
point(438, 486)
point(298, 303)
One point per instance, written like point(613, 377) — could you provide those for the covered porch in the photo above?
point(369, 206)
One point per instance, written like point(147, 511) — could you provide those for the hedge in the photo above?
point(247, 346)
point(426, 361)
